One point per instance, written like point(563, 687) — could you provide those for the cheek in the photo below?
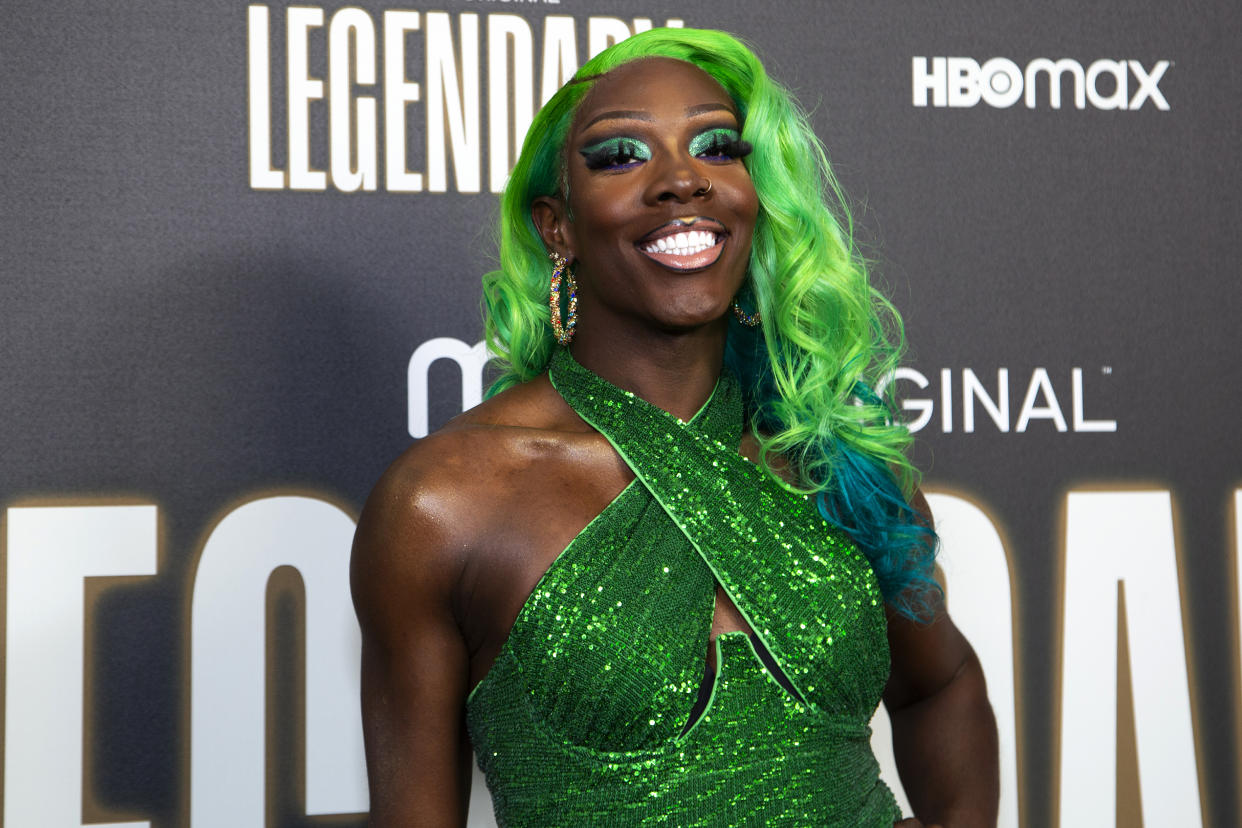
point(749, 206)
point(600, 212)
point(738, 190)
point(746, 205)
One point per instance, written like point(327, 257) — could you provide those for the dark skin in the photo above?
point(462, 526)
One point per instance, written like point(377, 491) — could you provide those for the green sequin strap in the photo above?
point(803, 587)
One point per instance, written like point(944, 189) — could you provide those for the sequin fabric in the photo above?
point(584, 717)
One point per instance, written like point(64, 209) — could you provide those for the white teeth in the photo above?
point(683, 244)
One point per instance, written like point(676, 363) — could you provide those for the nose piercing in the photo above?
point(708, 188)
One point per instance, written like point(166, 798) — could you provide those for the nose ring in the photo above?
point(708, 188)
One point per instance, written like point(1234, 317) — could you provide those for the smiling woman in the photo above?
point(658, 575)
point(656, 158)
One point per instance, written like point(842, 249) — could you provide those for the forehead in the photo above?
point(640, 84)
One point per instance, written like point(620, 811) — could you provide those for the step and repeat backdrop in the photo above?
point(240, 272)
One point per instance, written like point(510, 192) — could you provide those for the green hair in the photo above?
point(827, 338)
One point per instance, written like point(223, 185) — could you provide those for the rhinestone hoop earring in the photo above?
point(564, 333)
point(750, 320)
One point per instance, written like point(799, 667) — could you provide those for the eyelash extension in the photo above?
point(615, 153)
point(720, 144)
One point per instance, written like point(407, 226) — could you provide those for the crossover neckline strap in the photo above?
point(720, 417)
point(767, 546)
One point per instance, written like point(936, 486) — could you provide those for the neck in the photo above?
point(673, 371)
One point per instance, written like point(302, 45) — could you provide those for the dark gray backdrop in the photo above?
point(172, 336)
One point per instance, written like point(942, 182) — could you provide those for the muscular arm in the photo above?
point(944, 733)
point(414, 661)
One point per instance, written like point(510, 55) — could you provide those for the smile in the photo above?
point(682, 247)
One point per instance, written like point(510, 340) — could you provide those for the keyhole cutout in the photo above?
point(727, 618)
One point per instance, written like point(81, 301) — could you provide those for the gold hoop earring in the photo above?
point(750, 320)
point(564, 333)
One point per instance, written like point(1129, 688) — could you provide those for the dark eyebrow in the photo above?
point(699, 109)
point(628, 114)
point(638, 115)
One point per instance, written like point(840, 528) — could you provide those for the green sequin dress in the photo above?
point(584, 719)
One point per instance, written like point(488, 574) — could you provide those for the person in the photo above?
point(658, 575)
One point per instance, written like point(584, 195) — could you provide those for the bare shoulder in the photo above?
point(437, 518)
point(477, 453)
point(442, 500)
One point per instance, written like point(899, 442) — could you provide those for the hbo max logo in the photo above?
point(1105, 84)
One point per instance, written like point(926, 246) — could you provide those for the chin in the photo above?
point(688, 317)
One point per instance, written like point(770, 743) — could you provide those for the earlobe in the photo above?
point(549, 216)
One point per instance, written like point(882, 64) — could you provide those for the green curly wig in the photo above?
point(827, 336)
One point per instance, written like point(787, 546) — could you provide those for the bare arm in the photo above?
point(944, 733)
point(414, 661)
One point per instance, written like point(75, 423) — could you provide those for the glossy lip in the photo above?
point(691, 262)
